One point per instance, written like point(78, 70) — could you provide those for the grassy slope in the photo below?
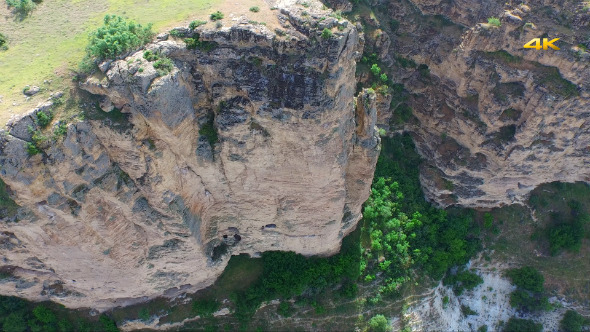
point(565, 273)
point(51, 42)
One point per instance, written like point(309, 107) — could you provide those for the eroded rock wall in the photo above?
point(252, 146)
point(492, 119)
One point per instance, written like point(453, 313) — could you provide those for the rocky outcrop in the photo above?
point(493, 120)
point(250, 142)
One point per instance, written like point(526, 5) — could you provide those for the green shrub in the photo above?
point(205, 308)
point(216, 16)
point(150, 56)
point(467, 311)
point(494, 21)
point(195, 24)
point(195, 43)
point(327, 33)
point(462, 280)
point(32, 149)
point(210, 131)
point(488, 220)
point(144, 314)
point(44, 119)
point(255, 9)
point(522, 325)
point(376, 70)
point(383, 78)
point(21, 7)
point(573, 322)
point(379, 323)
point(163, 66)
point(8, 207)
point(3, 43)
point(44, 315)
point(117, 36)
point(529, 301)
point(566, 234)
point(527, 278)
point(108, 325)
point(424, 70)
point(285, 309)
point(14, 323)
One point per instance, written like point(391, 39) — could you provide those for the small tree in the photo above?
point(375, 69)
point(255, 9)
point(21, 7)
point(379, 324)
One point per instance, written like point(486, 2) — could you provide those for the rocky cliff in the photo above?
point(252, 141)
point(492, 119)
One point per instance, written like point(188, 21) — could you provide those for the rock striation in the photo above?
point(252, 143)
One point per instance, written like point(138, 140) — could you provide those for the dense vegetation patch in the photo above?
point(18, 315)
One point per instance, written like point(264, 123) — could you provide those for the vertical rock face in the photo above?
point(254, 145)
point(492, 119)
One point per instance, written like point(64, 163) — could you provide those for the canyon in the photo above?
point(264, 142)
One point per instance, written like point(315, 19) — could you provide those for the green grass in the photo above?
point(522, 241)
point(51, 42)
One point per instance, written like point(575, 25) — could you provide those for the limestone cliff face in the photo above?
point(255, 145)
point(492, 119)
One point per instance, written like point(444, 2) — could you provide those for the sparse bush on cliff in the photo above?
point(255, 9)
point(327, 33)
point(117, 36)
point(163, 66)
point(196, 43)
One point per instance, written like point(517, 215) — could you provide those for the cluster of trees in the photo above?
point(115, 37)
point(424, 237)
point(287, 274)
